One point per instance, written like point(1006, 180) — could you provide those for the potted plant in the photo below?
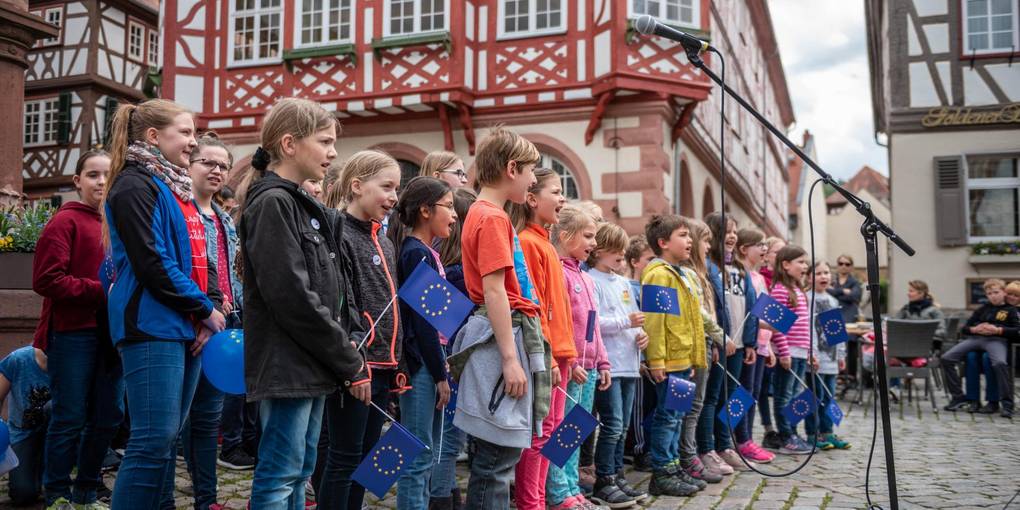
point(20, 228)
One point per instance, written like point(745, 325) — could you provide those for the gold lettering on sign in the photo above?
point(945, 116)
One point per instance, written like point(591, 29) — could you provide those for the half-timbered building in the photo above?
point(101, 57)
point(945, 81)
point(625, 119)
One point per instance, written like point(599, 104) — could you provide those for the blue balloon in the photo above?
point(223, 361)
point(5, 438)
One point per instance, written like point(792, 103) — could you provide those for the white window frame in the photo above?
point(324, 28)
point(965, 25)
point(530, 31)
point(45, 106)
point(256, 15)
point(987, 184)
point(548, 160)
point(140, 56)
point(45, 15)
point(416, 30)
point(152, 48)
point(695, 14)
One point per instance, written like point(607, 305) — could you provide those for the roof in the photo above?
point(866, 178)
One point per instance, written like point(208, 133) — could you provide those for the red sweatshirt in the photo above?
point(65, 271)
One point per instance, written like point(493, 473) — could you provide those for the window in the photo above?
point(256, 27)
point(54, 17)
point(990, 26)
point(41, 121)
point(570, 190)
point(324, 21)
point(153, 48)
point(675, 12)
point(528, 18)
point(993, 197)
point(404, 17)
point(136, 41)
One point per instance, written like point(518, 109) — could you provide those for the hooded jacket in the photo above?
point(550, 284)
point(297, 310)
point(373, 281)
point(675, 343)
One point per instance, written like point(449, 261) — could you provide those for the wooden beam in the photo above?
point(596, 115)
point(444, 120)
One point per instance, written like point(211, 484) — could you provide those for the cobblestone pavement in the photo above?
point(948, 460)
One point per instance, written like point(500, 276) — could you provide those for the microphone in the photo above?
point(647, 25)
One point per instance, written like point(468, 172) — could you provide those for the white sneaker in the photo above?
point(729, 456)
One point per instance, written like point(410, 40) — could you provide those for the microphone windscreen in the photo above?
point(645, 24)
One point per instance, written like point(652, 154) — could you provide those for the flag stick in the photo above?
point(576, 403)
point(822, 384)
point(801, 381)
point(395, 422)
point(376, 321)
point(720, 365)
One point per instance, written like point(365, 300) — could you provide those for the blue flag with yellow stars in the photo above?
point(736, 407)
point(774, 313)
point(659, 299)
point(833, 326)
point(834, 412)
point(680, 394)
point(435, 300)
point(451, 406)
point(800, 407)
point(383, 465)
point(573, 430)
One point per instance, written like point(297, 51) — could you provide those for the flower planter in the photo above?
point(16, 270)
point(982, 260)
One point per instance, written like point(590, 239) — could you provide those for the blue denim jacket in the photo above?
point(749, 336)
point(232, 245)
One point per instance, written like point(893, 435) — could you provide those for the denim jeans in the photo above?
point(978, 363)
point(750, 379)
point(444, 474)
point(824, 423)
point(354, 428)
point(87, 389)
point(290, 432)
point(615, 406)
point(563, 483)
point(25, 481)
point(491, 470)
point(765, 392)
point(785, 386)
point(713, 434)
point(201, 432)
point(418, 414)
point(160, 378)
point(665, 437)
point(239, 424)
point(688, 430)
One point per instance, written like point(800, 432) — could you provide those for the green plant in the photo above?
point(997, 248)
point(20, 227)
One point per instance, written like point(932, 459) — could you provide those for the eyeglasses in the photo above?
point(448, 206)
point(212, 165)
point(844, 264)
point(459, 173)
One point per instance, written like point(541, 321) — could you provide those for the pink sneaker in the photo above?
point(755, 453)
point(570, 503)
point(714, 463)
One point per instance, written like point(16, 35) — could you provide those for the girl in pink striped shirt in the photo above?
point(793, 347)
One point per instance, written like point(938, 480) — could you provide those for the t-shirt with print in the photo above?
point(30, 390)
point(222, 271)
point(196, 234)
point(489, 244)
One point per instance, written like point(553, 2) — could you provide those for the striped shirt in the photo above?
point(798, 340)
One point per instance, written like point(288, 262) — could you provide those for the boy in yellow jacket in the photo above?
point(676, 344)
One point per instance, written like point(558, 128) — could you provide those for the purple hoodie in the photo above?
point(581, 289)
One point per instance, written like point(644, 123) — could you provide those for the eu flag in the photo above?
point(834, 412)
point(736, 407)
point(383, 465)
point(680, 394)
point(800, 407)
point(774, 313)
point(451, 406)
point(833, 326)
point(573, 430)
point(659, 299)
point(435, 300)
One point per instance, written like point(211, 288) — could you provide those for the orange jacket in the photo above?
point(547, 276)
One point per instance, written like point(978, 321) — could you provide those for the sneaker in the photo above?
point(111, 462)
point(837, 443)
point(698, 471)
point(61, 504)
point(586, 479)
point(665, 484)
point(957, 404)
point(587, 505)
point(823, 443)
point(103, 493)
point(714, 463)
point(643, 463)
point(1007, 410)
point(754, 453)
point(607, 493)
point(772, 441)
point(732, 458)
point(795, 446)
point(236, 460)
point(629, 489)
point(570, 503)
point(989, 408)
point(95, 505)
point(682, 475)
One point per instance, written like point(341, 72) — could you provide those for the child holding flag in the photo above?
point(831, 359)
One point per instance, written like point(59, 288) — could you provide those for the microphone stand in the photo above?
point(871, 227)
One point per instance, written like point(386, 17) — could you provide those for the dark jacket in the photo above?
point(373, 280)
point(1004, 316)
point(421, 340)
point(749, 335)
point(153, 296)
point(65, 271)
point(849, 303)
point(295, 345)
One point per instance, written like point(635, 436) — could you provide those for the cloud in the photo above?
point(826, 67)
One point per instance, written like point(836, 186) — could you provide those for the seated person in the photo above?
point(986, 330)
point(23, 378)
point(978, 363)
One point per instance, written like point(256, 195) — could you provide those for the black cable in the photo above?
point(1011, 499)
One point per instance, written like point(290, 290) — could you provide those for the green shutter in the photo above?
point(64, 118)
point(111, 109)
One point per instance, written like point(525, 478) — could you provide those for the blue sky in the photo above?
point(822, 44)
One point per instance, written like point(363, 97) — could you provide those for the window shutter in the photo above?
point(950, 201)
point(64, 118)
point(110, 110)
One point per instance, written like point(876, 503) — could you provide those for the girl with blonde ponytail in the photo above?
point(159, 311)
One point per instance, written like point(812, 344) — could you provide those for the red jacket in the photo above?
point(65, 271)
